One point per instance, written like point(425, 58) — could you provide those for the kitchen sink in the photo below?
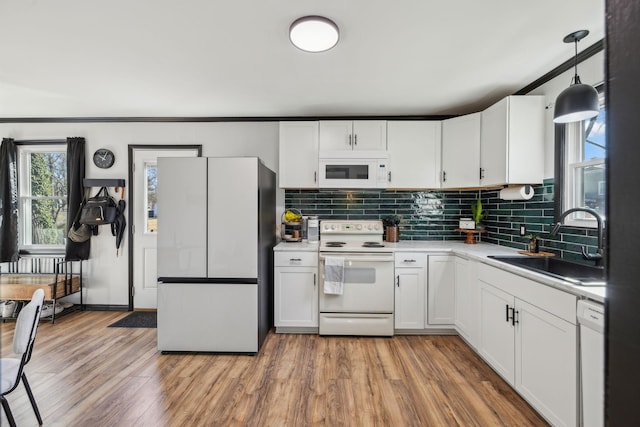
point(579, 274)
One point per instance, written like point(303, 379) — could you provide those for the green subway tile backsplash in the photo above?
point(434, 215)
point(505, 217)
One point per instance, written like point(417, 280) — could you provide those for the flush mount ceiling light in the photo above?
point(579, 101)
point(314, 33)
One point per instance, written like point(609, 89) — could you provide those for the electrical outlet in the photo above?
point(523, 230)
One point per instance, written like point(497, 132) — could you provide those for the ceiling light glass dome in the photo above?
point(314, 33)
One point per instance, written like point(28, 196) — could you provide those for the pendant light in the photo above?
point(579, 101)
point(314, 33)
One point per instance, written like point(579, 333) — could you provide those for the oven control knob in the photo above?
point(377, 226)
point(359, 226)
point(333, 227)
point(369, 227)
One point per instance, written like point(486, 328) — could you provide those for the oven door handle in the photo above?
point(361, 258)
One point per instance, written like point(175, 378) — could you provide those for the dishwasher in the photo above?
point(591, 321)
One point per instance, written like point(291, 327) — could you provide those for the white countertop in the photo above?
point(477, 252)
point(297, 246)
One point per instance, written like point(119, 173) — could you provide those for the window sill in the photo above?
point(41, 252)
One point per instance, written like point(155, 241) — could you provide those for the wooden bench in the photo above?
point(21, 286)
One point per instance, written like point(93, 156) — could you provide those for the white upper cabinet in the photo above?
point(512, 141)
point(298, 166)
point(356, 135)
point(414, 153)
point(461, 151)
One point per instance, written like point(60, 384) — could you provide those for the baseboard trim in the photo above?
point(105, 307)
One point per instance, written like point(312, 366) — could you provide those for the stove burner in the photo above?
point(335, 244)
point(372, 245)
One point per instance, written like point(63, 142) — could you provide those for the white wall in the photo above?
point(591, 72)
point(106, 275)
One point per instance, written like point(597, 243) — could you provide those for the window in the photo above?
point(151, 172)
point(584, 168)
point(42, 193)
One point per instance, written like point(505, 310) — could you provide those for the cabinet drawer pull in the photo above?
point(409, 260)
point(295, 259)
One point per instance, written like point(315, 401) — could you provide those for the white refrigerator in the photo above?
point(216, 232)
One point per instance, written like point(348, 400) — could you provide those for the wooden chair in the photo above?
point(12, 369)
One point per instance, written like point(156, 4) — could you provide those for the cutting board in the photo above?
point(536, 253)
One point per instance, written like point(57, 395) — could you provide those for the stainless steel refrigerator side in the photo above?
point(266, 242)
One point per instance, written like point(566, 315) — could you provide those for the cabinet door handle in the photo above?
point(314, 280)
point(315, 176)
point(398, 281)
point(355, 139)
point(481, 173)
point(389, 176)
point(349, 140)
point(444, 176)
point(513, 317)
point(507, 312)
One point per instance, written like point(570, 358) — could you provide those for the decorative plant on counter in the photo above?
point(478, 213)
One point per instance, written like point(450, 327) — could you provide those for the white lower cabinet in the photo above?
point(529, 336)
point(296, 291)
point(441, 289)
point(497, 344)
point(546, 363)
point(467, 300)
point(410, 288)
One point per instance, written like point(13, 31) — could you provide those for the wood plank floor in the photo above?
point(85, 373)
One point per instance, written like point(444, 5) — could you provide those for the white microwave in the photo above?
point(353, 173)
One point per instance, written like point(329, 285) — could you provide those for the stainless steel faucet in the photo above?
point(598, 257)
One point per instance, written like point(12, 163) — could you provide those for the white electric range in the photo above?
point(362, 302)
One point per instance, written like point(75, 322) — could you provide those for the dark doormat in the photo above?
point(137, 319)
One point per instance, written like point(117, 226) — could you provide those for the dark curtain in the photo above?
point(8, 201)
point(75, 193)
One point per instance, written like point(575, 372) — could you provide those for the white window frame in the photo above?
point(24, 184)
point(573, 163)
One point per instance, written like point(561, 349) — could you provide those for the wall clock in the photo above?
point(104, 158)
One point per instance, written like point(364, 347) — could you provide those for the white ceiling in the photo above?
point(122, 58)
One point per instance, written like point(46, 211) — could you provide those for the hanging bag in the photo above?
point(100, 209)
point(79, 232)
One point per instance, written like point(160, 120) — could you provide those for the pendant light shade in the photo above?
point(314, 33)
point(579, 101)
